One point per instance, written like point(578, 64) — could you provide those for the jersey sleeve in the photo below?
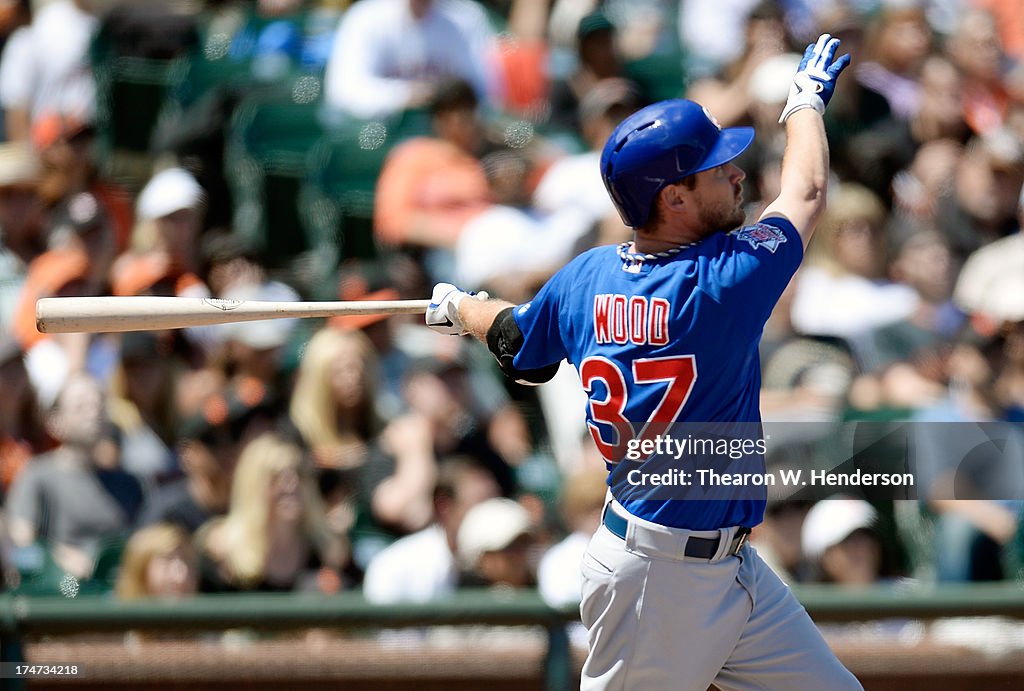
point(754, 267)
point(538, 322)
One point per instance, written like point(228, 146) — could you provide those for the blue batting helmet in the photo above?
point(661, 144)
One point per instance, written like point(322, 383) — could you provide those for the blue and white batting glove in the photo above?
point(443, 311)
point(815, 79)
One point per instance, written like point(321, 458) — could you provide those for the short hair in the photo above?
point(453, 94)
point(689, 182)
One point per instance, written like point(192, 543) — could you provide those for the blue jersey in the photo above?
point(668, 339)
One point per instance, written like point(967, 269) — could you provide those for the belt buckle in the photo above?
point(740, 541)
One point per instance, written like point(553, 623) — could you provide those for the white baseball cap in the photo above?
point(831, 521)
point(168, 191)
point(490, 526)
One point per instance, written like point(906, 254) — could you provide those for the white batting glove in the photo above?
point(815, 79)
point(443, 311)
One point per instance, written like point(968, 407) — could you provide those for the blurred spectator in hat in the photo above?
point(66, 147)
point(159, 562)
point(841, 544)
point(73, 497)
point(494, 543)
point(274, 535)
point(422, 566)
point(976, 49)
point(164, 259)
point(391, 55)
point(46, 66)
point(141, 405)
point(209, 443)
point(598, 59)
point(431, 186)
point(23, 432)
point(981, 205)
point(21, 223)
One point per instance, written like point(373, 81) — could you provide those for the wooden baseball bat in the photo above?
point(104, 314)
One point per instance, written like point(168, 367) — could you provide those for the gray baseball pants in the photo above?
point(659, 621)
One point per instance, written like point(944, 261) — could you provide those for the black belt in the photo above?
point(698, 547)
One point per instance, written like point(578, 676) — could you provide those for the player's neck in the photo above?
point(662, 238)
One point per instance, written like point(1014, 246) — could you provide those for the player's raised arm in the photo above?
point(805, 163)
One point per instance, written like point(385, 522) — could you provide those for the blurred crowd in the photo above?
point(371, 453)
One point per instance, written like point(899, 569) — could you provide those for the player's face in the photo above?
point(719, 196)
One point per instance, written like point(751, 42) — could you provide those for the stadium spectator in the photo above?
point(67, 150)
point(438, 392)
point(728, 94)
point(47, 69)
point(842, 291)
point(876, 156)
point(778, 538)
point(141, 406)
point(582, 500)
point(333, 403)
point(981, 204)
point(164, 259)
point(989, 266)
point(158, 561)
point(275, 535)
point(21, 223)
point(574, 182)
point(391, 55)
point(431, 186)
point(74, 497)
point(23, 431)
point(209, 443)
point(896, 43)
point(494, 543)
point(976, 50)
point(598, 59)
point(422, 567)
point(840, 542)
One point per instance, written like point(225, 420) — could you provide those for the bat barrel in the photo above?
point(145, 313)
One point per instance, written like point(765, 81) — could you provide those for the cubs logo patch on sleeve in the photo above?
point(762, 235)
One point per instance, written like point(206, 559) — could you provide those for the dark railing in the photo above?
point(33, 616)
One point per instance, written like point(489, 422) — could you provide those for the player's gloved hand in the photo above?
point(443, 311)
point(815, 79)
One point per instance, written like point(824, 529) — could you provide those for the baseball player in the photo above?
point(662, 330)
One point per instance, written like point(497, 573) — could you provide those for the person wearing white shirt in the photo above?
point(389, 55)
point(422, 566)
point(45, 66)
